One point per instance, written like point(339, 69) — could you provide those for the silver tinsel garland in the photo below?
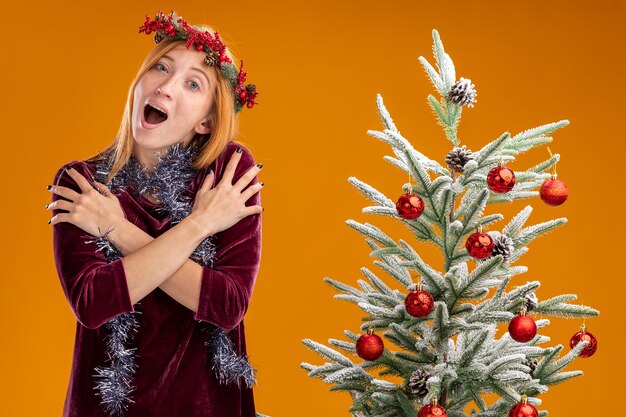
point(169, 182)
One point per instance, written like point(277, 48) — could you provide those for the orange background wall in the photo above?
point(66, 68)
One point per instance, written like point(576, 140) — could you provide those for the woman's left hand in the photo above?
point(93, 210)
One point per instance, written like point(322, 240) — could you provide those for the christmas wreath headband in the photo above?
point(176, 28)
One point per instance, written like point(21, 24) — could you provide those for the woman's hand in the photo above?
point(220, 207)
point(93, 210)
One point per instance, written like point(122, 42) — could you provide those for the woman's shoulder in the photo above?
point(246, 161)
point(86, 168)
point(220, 163)
point(246, 154)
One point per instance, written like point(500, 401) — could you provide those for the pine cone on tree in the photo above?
point(463, 93)
point(417, 383)
point(531, 301)
point(532, 364)
point(502, 245)
point(458, 157)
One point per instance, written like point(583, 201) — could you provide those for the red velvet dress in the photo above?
point(174, 375)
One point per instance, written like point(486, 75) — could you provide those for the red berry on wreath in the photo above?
point(522, 328)
point(410, 206)
point(523, 409)
point(369, 346)
point(479, 245)
point(432, 410)
point(419, 303)
point(584, 335)
point(501, 179)
point(553, 192)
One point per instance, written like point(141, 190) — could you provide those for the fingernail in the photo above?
point(263, 209)
point(49, 221)
point(47, 206)
point(262, 184)
point(239, 150)
point(49, 187)
point(259, 165)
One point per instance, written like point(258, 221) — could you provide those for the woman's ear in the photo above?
point(205, 126)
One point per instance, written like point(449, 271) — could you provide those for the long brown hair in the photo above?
point(225, 126)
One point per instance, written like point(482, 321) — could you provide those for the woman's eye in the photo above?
point(158, 66)
point(194, 85)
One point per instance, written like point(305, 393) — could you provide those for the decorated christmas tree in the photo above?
point(440, 334)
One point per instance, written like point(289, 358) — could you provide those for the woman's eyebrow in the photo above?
point(193, 68)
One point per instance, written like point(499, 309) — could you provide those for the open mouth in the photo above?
point(153, 115)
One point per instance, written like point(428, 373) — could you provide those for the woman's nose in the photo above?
point(165, 88)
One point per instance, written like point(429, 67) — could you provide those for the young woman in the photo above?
point(157, 240)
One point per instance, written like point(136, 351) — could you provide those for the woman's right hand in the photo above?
point(217, 208)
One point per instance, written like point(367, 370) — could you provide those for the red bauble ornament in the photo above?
point(243, 94)
point(582, 335)
point(553, 192)
point(369, 346)
point(432, 410)
point(479, 245)
point(419, 303)
point(522, 328)
point(523, 409)
point(410, 206)
point(501, 179)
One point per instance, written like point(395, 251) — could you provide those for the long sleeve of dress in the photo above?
point(227, 286)
point(96, 290)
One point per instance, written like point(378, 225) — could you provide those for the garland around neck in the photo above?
point(169, 182)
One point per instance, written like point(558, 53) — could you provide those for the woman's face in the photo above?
point(182, 88)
